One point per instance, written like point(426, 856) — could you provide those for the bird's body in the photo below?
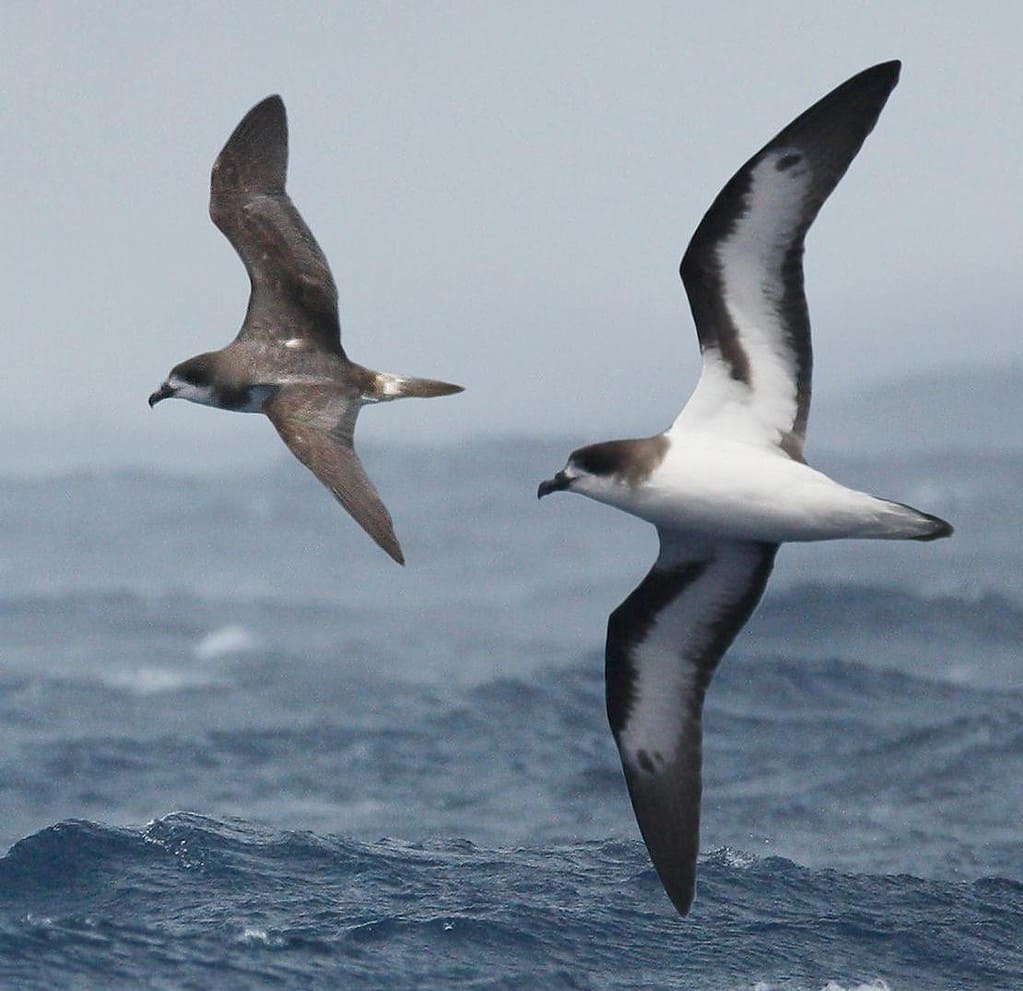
point(736, 491)
point(726, 484)
point(287, 361)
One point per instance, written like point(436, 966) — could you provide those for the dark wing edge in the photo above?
point(293, 291)
point(829, 134)
point(663, 645)
point(307, 420)
point(255, 157)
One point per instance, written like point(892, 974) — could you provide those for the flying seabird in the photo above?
point(727, 483)
point(287, 360)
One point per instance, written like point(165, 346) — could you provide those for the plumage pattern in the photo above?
point(743, 269)
point(663, 644)
point(317, 425)
point(287, 360)
point(291, 282)
point(726, 484)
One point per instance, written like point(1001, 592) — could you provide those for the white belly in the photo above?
point(737, 492)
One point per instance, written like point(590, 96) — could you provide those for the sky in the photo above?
point(503, 190)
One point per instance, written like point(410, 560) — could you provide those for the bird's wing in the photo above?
point(293, 294)
point(743, 269)
point(317, 423)
point(663, 644)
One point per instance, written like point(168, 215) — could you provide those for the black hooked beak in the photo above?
point(556, 484)
point(164, 392)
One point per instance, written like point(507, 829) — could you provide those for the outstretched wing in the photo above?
point(743, 269)
point(317, 424)
point(663, 644)
point(293, 293)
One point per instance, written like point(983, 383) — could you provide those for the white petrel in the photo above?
point(287, 360)
point(727, 483)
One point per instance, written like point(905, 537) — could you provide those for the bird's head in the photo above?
point(191, 380)
point(561, 481)
point(588, 469)
point(603, 471)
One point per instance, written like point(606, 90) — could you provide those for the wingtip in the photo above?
point(272, 104)
point(883, 78)
point(383, 537)
point(269, 112)
point(871, 86)
point(255, 156)
point(893, 67)
point(890, 68)
point(679, 885)
point(678, 880)
point(682, 900)
point(380, 531)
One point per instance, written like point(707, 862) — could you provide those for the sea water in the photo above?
point(240, 748)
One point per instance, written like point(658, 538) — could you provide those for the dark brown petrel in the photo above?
point(287, 360)
point(727, 483)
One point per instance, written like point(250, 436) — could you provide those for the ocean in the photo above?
point(241, 749)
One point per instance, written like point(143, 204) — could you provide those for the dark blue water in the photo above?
point(241, 749)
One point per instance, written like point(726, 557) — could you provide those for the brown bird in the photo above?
point(287, 360)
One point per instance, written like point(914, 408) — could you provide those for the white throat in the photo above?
point(202, 394)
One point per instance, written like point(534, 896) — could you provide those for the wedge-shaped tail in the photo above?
point(883, 519)
point(389, 386)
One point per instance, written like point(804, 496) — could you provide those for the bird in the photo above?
point(727, 482)
point(287, 361)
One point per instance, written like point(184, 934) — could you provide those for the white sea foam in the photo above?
point(257, 936)
point(731, 857)
point(152, 681)
point(875, 985)
point(231, 639)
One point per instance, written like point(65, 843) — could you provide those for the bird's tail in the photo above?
point(388, 386)
point(902, 522)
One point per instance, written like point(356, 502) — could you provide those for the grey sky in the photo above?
point(503, 191)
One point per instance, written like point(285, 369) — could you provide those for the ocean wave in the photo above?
point(981, 616)
point(828, 761)
point(966, 638)
point(158, 642)
point(187, 898)
point(979, 612)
